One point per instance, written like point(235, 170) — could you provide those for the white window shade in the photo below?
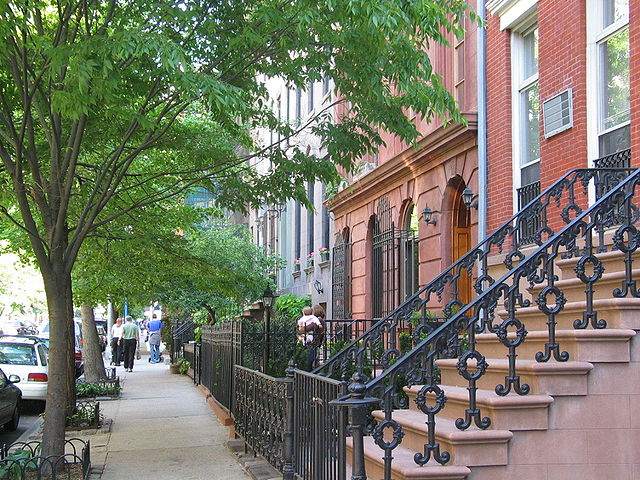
point(558, 113)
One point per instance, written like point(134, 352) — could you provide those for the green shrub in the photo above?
point(97, 390)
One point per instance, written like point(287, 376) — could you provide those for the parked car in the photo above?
point(26, 357)
point(44, 333)
point(10, 400)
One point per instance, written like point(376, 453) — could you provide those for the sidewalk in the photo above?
point(162, 429)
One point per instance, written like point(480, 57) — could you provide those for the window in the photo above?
point(298, 231)
point(612, 44)
point(326, 85)
point(526, 112)
point(310, 93)
point(310, 218)
point(409, 253)
point(458, 68)
point(298, 103)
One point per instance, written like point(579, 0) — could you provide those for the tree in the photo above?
point(109, 106)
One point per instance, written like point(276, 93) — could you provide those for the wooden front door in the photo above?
point(462, 244)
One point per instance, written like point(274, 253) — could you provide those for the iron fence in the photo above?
point(220, 351)
point(260, 413)
point(22, 460)
point(319, 428)
point(181, 334)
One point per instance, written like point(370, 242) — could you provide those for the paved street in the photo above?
point(30, 413)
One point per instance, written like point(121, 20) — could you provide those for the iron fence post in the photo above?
point(288, 470)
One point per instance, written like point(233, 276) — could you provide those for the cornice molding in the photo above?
point(511, 12)
point(496, 7)
point(436, 143)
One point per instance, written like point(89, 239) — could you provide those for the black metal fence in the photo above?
point(260, 413)
point(181, 334)
point(22, 461)
point(220, 351)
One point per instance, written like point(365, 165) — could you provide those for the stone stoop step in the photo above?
point(471, 447)
point(611, 261)
point(618, 312)
point(573, 288)
point(403, 467)
point(605, 345)
point(549, 378)
point(511, 412)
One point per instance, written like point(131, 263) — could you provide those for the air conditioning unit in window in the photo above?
point(558, 113)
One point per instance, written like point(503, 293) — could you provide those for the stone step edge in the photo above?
point(446, 431)
point(402, 456)
point(489, 398)
point(586, 335)
point(601, 305)
point(530, 367)
point(607, 277)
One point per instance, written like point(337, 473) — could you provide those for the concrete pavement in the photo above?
point(162, 429)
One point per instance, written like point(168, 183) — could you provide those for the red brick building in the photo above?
point(562, 91)
point(391, 249)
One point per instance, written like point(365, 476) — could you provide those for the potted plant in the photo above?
point(310, 260)
point(324, 254)
point(296, 265)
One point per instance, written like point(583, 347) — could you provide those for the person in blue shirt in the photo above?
point(155, 329)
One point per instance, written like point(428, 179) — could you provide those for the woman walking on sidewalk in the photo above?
point(131, 337)
point(116, 346)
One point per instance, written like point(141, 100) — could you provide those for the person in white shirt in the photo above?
point(116, 345)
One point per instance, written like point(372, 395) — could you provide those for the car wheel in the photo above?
point(12, 425)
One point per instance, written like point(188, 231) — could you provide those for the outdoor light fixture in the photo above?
point(268, 297)
point(275, 210)
point(467, 198)
point(427, 213)
point(318, 286)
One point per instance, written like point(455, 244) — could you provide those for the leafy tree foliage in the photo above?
point(107, 107)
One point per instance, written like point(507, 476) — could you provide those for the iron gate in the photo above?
point(319, 428)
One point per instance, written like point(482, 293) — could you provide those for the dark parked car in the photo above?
point(10, 398)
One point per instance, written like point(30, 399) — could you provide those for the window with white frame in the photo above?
point(612, 75)
point(526, 121)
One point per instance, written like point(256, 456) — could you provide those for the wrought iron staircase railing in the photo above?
point(553, 208)
point(580, 239)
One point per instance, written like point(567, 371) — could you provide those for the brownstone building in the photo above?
point(384, 248)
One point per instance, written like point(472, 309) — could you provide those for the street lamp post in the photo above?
point(268, 298)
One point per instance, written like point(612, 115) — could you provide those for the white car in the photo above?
point(27, 358)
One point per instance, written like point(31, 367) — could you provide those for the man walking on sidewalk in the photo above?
point(155, 327)
point(131, 337)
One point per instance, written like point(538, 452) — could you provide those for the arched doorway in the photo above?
point(461, 240)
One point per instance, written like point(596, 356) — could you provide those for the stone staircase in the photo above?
point(580, 419)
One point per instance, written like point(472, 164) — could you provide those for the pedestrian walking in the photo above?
point(131, 338)
point(307, 326)
point(116, 346)
point(154, 328)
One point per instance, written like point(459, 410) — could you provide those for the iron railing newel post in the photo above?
point(288, 470)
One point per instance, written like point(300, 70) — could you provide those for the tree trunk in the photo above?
point(59, 399)
point(93, 361)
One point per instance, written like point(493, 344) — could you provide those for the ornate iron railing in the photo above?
point(553, 208)
point(528, 229)
point(482, 321)
point(260, 413)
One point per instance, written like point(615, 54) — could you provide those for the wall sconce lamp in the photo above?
point(318, 286)
point(274, 211)
point(469, 198)
point(427, 213)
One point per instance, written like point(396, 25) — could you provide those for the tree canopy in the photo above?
point(109, 106)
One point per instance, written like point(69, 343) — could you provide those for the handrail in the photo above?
point(418, 367)
point(476, 258)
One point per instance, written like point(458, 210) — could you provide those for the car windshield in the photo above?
point(17, 354)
